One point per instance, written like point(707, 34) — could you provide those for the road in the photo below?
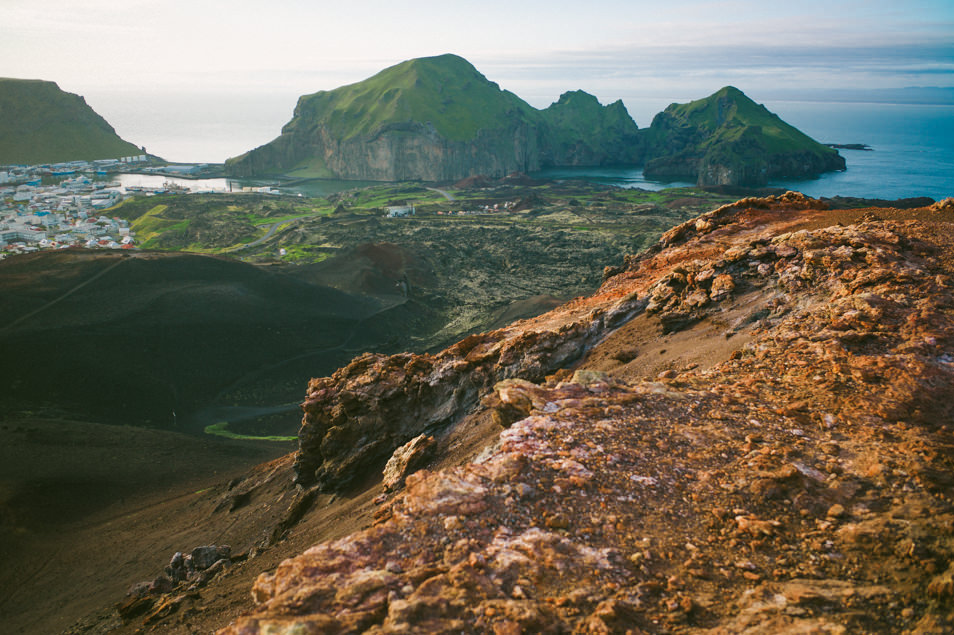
point(258, 241)
point(443, 193)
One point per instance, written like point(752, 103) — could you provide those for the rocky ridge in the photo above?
point(789, 470)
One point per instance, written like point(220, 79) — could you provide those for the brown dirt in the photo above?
point(78, 567)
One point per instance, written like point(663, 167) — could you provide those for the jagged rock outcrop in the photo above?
point(439, 119)
point(40, 123)
point(582, 132)
point(356, 418)
point(407, 459)
point(800, 482)
point(727, 139)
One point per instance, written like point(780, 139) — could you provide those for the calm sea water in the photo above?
point(913, 148)
point(912, 151)
point(913, 145)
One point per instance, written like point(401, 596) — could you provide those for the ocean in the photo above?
point(912, 145)
point(912, 151)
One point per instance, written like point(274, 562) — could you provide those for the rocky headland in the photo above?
point(746, 429)
point(439, 119)
point(728, 139)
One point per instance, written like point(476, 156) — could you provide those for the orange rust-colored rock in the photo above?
point(800, 480)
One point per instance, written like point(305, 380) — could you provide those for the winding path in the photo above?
point(442, 193)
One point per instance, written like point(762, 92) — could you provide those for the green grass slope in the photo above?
point(445, 91)
point(40, 123)
point(584, 132)
point(438, 118)
point(728, 132)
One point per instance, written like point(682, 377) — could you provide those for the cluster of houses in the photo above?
point(496, 208)
point(406, 211)
point(34, 216)
point(12, 174)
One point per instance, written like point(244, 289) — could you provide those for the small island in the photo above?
point(851, 146)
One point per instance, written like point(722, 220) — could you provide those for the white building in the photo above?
point(400, 212)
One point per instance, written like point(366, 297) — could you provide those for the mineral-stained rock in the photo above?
point(801, 483)
point(406, 459)
point(356, 418)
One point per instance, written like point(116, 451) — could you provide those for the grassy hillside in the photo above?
point(726, 116)
point(445, 91)
point(39, 123)
point(727, 138)
point(581, 129)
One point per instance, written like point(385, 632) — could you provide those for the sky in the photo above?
point(223, 62)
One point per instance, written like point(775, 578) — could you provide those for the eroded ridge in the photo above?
point(802, 485)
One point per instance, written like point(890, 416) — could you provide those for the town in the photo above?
point(37, 212)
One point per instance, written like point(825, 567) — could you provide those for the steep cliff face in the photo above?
point(727, 139)
point(438, 119)
point(582, 132)
point(788, 472)
point(39, 123)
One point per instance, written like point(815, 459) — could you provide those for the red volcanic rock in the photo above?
point(356, 418)
point(802, 481)
point(406, 459)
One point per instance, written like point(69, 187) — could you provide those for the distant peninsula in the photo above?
point(40, 123)
point(439, 119)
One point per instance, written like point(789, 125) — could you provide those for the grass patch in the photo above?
point(221, 430)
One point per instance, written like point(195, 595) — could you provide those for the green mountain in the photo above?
point(445, 92)
point(434, 119)
point(583, 132)
point(39, 123)
point(728, 139)
point(439, 119)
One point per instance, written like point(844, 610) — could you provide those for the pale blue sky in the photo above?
point(646, 53)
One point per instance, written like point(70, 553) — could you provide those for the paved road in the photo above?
point(271, 230)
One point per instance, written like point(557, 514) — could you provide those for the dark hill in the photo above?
point(39, 123)
point(132, 339)
point(728, 139)
point(436, 119)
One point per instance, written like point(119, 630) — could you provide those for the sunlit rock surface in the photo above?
point(795, 477)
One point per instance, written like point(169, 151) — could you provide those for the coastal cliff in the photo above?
point(438, 119)
point(728, 139)
point(744, 430)
point(40, 123)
